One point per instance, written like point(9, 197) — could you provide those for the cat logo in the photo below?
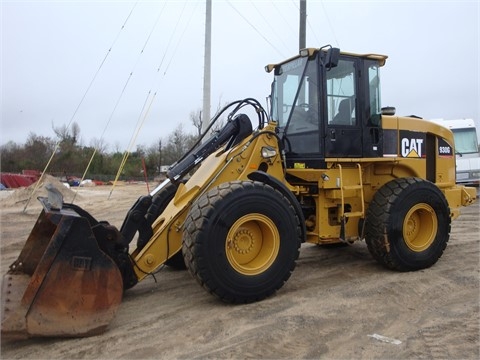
point(412, 147)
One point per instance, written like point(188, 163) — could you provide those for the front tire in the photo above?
point(241, 241)
point(408, 224)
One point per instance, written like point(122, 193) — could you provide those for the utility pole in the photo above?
point(207, 66)
point(303, 27)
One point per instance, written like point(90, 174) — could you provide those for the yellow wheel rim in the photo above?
point(252, 244)
point(420, 227)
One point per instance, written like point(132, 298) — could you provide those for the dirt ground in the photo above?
point(334, 306)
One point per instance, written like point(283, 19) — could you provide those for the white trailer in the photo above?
point(466, 149)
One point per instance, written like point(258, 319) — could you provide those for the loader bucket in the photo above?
point(62, 284)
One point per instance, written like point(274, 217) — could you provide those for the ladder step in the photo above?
point(353, 214)
point(343, 188)
point(352, 187)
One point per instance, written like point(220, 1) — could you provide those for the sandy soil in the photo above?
point(334, 305)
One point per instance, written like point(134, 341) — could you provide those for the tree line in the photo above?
point(71, 157)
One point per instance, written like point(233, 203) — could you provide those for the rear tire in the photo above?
point(408, 224)
point(241, 241)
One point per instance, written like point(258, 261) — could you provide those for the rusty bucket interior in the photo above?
point(62, 283)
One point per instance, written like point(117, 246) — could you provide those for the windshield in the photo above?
point(465, 140)
point(295, 105)
point(284, 89)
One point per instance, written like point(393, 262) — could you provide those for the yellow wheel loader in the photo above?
point(327, 165)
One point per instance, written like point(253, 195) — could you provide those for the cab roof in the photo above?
point(312, 51)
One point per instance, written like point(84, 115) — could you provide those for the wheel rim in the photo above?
point(252, 244)
point(420, 227)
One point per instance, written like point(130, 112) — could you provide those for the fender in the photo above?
point(278, 185)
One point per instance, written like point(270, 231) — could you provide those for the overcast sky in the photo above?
point(98, 63)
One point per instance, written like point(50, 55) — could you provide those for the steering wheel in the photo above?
point(311, 114)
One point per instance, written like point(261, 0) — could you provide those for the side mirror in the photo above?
point(332, 57)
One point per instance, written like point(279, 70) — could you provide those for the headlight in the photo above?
point(268, 152)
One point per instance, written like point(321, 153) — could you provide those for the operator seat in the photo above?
point(343, 116)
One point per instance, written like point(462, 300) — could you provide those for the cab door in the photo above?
point(343, 134)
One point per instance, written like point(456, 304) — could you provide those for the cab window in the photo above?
point(375, 107)
point(341, 95)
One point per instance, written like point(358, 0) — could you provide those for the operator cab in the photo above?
point(327, 105)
